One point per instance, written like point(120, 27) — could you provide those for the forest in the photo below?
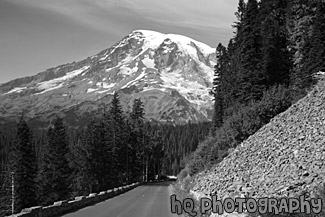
point(273, 60)
point(41, 166)
point(276, 56)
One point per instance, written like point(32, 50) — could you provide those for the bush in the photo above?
point(183, 174)
point(188, 183)
point(196, 164)
point(274, 101)
point(243, 122)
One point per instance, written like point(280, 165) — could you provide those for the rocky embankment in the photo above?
point(284, 158)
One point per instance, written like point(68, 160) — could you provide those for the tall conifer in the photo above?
point(276, 59)
point(253, 81)
point(138, 138)
point(55, 174)
point(116, 129)
point(314, 61)
point(24, 167)
point(220, 71)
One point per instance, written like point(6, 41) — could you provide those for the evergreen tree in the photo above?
point(87, 165)
point(220, 71)
point(231, 78)
point(6, 193)
point(138, 148)
point(157, 152)
point(240, 16)
point(7, 143)
point(102, 150)
point(137, 115)
point(276, 59)
point(300, 19)
point(20, 171)
point(24, 168)
point(252, 80)
point(115, 129)
point(314, 61)
point(55, 173)
point(95, 158)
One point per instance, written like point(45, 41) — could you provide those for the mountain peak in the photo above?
point(171, 73)
point(157, 37)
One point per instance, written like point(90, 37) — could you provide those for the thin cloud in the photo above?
point(75, 29)
point(78, 11)
point(101, 14)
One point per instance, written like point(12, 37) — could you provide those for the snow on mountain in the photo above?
point(58, 82)
point(172, 74)
point(15, 90)
point(154, 39)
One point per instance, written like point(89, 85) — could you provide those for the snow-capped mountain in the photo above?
point(172, 74)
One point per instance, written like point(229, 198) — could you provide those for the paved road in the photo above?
point(150, 200)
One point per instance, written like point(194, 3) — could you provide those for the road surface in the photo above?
point(150, 200)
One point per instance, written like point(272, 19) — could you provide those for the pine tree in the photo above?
point(276, 59)
point(314, 61)
point(6, 190)
point(116, 130)
point(137, 117)
point(85, 162)
point(138, 138)
point(253, 81)
point(20, 171)
point(300, 18)
point(7, 143)
point(129, 151)
point(220, 71)
point(55, 172)
point(94, 159)
point(100, 156)
point(231, 77)
point(157, 152)
point(240, 16)
point(24, 167)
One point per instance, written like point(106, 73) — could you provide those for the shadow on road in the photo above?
point(164, 183)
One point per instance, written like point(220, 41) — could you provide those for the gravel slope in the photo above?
point(285, 157)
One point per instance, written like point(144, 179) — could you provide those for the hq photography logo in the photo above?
point(250, 205)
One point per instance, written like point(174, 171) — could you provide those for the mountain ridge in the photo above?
point(144, 64)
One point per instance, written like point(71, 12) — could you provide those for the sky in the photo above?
point(39, 34)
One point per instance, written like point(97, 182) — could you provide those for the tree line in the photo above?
point(39, 167)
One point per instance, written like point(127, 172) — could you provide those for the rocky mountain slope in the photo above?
point(286, 157)
point(171, 73)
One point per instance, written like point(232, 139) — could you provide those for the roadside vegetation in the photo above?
point(272, 61)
